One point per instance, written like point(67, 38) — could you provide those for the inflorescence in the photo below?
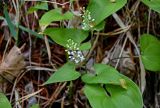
point(87, 22)
point(74, 54)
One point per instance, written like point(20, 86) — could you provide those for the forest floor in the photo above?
point(30, 60)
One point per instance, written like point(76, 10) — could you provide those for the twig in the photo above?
point(62, 102)
point(124, 44)
point(149, 18)
point(93, 47)
point(56, 93)
point(48, 51)
point(30, 40)
point(20, 75)
point(115, 32)
point(54, 4)
point(4, 53)
point(123, 58)
point(29, 95)
point(29, 68)
point(61, 4)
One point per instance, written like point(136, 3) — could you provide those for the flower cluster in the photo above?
point(87, 22)
point(74, 54)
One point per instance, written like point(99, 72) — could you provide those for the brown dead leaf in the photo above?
point(12, 64)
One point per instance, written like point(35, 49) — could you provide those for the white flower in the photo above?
point(87, 22)
point(74, 54)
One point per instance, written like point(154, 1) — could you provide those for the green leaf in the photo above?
point(2, 18)
point(39, 6)
point(4, 102)
point(10, 24)
point(61, 35)
point(104, 74)
point(150, 52)
point(72, 1)
point(35, 106)
point(101, 9)
point(54, 15)
point(85, 46)
point(116, 97)
point(100, 26)
point(65, 73)
point(153, 4)
point(33, 33)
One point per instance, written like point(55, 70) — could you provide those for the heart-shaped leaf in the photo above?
point(100, 26)
point(153, 4)
point(104, 74)
point(114, 96)
point(101, 9)
point(65, 73)
point(54, 15)
point(4, 102)
point(62, 35)
point(39, 6)
point(85, 46)
point(150, 52)
point(35, 106)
